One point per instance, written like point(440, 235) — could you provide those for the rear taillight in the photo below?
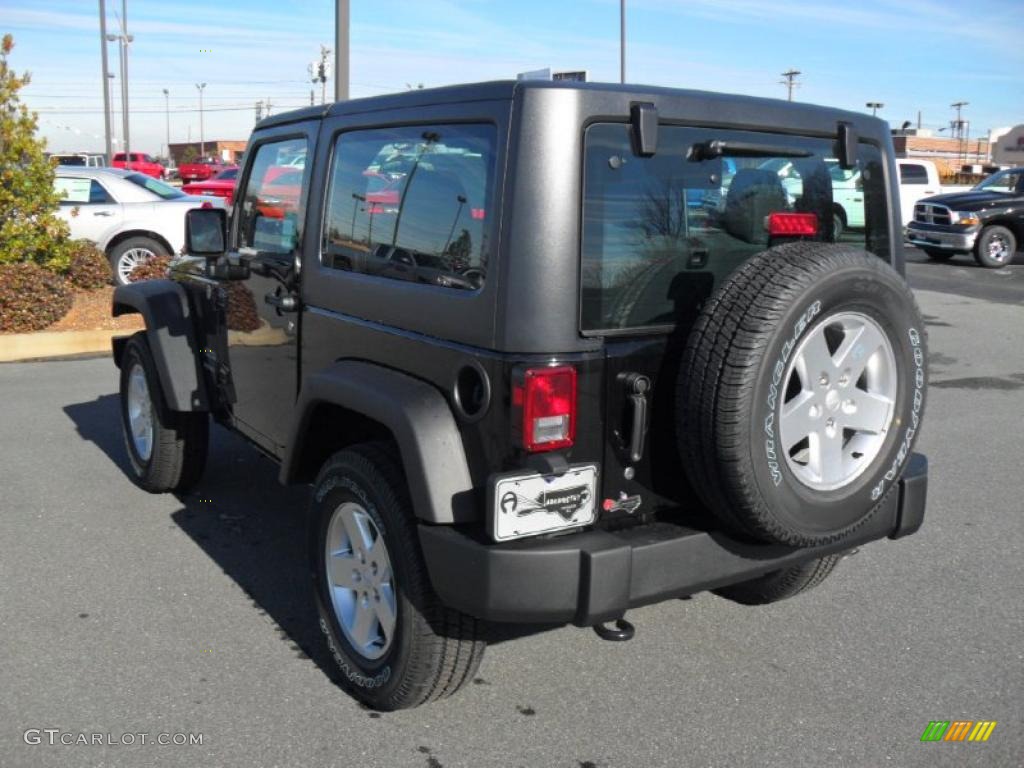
point(792, 224)
point(547, 397)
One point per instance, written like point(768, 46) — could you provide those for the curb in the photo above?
point(49, 345)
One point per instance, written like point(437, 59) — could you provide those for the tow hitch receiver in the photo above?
point(621, 632)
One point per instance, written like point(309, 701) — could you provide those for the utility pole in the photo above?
point(125, 39)
point(167, 113)
point(341, 50)
point(958, 106)
point(790, 82)
point(874, 106)
point(622, 41)
point(319, 71)
point(259, 111)
point(202, 136)
point(108, 145)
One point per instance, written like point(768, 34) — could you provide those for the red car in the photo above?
point(202, 169)
point(221, 185)
point(140, 162)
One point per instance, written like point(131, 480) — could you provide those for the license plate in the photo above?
point(529, 503)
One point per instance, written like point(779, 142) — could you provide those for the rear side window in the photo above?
point(661, 233)
point(81, 191)
point(412, 203)
point(272, 203)
point(913, 174)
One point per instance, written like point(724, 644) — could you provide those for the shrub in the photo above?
point(31, 298)
point(153, 269)
point(242, 314)
point(89, 267)
point(29, 227)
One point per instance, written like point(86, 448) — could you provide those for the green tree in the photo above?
point(30, 231)
point(189, 154)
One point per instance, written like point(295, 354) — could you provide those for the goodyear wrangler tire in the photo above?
point(802, 392)
point(395, 644)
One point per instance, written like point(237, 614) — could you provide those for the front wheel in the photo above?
point(396, 645)
point(131, 253)
point(995, 247)
point(166, 450)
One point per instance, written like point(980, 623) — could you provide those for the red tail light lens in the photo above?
point(792, 224)
point(548, 399)
point(206, 204)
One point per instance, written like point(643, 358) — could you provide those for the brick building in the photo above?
point(230, 151)
point(948, 154)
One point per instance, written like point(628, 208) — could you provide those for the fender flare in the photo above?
point(418, 417)
point(164, 307)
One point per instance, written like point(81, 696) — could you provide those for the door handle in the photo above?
point(102, 213)
point(285, 303)
point(637, 387)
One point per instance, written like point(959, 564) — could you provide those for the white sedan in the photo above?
point(130, 216)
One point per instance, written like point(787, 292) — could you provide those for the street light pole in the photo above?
point(125, 39)
point(202, 136)
point(622, 41)
point(874, 106)
point(167, 114)
point(341, 50)
point(108, 146)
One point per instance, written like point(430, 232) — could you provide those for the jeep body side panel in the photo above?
point(418, 417)
point(164, 306)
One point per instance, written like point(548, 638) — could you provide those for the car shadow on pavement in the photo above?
point(251, 526)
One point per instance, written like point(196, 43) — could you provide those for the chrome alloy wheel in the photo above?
point(998, 248)
point(130, 259)
point(360, 580)
point(840, 396)
point(140, 412)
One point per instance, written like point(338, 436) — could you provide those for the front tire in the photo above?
point(995, 247)
point(131, 253)
point(396, 645)
point(166, 450)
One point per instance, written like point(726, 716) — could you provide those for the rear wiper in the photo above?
point(717, 148)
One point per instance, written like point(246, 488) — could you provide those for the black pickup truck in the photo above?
point(987, 220)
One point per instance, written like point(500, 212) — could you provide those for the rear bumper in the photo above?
point(960, 242)
point(590, 577)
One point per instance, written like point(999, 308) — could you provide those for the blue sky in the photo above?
point(911, 55)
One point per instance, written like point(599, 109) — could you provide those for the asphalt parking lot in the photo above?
point(124, 612)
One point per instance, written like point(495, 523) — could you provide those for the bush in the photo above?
point(154, 269)
point(30, 229)
point(89, 267)
point(242, 314)
point(31, 298)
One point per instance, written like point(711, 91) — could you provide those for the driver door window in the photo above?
point(273, 200)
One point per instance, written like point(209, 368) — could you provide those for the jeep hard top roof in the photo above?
point(727, 108)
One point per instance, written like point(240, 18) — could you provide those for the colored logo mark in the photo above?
point(958, 730)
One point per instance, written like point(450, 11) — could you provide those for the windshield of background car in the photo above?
point(228, 175)
point(412, 203)
point(1004, 181)
point(661, 233)
point(158, 188)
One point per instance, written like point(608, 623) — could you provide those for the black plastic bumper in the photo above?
point(594, 576)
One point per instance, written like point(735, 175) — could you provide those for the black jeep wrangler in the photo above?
point(545, 352)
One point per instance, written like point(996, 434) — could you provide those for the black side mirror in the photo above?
point(206, 231)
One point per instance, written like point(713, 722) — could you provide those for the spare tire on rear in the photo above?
point(801, 393)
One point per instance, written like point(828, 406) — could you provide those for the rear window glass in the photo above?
point(158, 188)
point(412, 203)
point(661, 233)
point(913, 174)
